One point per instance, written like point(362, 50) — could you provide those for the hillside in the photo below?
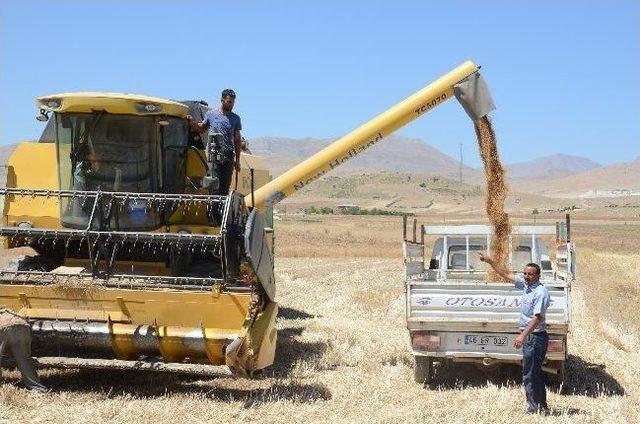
point(552, 166)
point(625, 175)
point(406, 192)
point(388, 190)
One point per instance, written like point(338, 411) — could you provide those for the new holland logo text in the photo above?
point(337, 162)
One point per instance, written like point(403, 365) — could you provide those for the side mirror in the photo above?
point(43, 117)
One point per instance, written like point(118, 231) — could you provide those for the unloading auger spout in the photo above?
point(464, 82)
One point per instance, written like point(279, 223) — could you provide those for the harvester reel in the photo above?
point(232, 232)
point(179, 261)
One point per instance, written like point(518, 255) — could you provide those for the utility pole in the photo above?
point(460, 170)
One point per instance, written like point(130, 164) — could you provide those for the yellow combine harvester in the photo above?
point(139, 265)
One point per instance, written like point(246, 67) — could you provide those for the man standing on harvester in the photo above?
point(225, 124)
point(533, 338)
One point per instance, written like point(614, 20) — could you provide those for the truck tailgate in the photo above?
point(468, 306)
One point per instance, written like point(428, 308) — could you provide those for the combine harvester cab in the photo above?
point(455, 314)
point(138, 265)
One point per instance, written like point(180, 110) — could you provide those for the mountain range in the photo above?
point(394, 154)
point(598, 181)
point(555, 175)
point(552, 166)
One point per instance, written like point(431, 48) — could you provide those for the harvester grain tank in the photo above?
point(138, 264)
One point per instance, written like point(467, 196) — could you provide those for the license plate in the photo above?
point(478, 340)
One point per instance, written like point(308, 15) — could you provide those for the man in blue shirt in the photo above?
point(224, 121)
point(533, 338)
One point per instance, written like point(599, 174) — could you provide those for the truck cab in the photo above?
point(454, 313)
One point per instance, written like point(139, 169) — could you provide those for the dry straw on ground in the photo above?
point(496, 192)
point(344, 355)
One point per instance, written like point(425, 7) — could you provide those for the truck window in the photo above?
point(521, 257)
point(458, 257)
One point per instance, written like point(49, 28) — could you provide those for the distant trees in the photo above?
point(324, 210)
point(376, 211)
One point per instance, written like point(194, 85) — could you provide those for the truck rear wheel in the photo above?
point(423, 369)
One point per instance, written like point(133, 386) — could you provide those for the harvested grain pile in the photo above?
point(496, 193)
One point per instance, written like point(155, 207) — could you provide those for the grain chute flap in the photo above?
point(259, 254)
point(474, 96)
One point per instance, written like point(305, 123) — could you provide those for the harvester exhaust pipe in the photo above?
point(464, 82)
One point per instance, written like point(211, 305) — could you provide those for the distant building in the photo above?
point(347, 208)
point(621, 192)
point(618, 192)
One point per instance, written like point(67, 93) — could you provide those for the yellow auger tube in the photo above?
point(361, 138)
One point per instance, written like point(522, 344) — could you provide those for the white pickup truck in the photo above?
point(455, 314)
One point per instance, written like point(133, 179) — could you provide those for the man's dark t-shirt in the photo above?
point(227, 125)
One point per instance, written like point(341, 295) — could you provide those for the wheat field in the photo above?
point(343, 350)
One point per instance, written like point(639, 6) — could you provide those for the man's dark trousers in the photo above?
point(225, 176)
point(534, 350)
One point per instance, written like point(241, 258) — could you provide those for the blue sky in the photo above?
point(564, 75)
